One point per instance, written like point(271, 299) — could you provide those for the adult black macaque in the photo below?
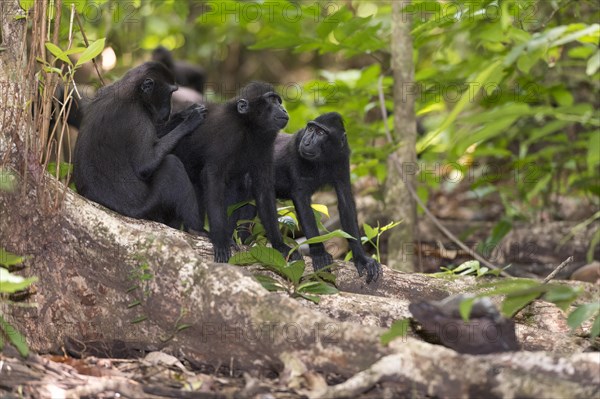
point(236, 139)
point(315, 156)
point(185, 73)
point(121, 163)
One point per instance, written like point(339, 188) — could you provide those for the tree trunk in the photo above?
point(120, 286)
point(399, 203)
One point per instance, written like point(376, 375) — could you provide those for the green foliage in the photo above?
point(64, 169)
point(292, 279)
point(11, 283)
point(14, 337)
point(468, 268)
point(519, 292)
point(399, 328)
point(584, 312)
point(372, 236)
point(581, 226)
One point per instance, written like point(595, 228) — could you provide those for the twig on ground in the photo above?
point(558, 269)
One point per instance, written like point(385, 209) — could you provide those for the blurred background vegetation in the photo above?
point(506, 90)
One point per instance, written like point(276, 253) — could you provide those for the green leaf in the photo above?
point(490, 130)
point(561, 295)
point(10, 259)
point(467, 267)
point(317, 287)
point(562, 96)
point(14, 337)
point(288, 222)
point(389, 226)
point(499, 231)
point(593, 155)
point(593, 64)
point(242, 258)
point(321, 209)
point(399, 328)
point(26, 4)
point(327, 25)
point(325, 276)
point(582, 313)
point(139, 319)
point(235, 207)
point(58, 53)
point(64, 169)
point(512, 286)
point(269, 283)
point(268, 256)
point(325, 237)
point(75, 50)
point(10, 283)
point(91, 52)
point(465, 307)
point(512, 304)
point(134, 303)
point(592, 248)
point(370, 232)
point(540, 185)
point(312, 298)
point(580, 33)
point(294, 271)
point(595, 331)
point(490, 71)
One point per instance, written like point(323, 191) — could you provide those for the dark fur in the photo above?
point(185, 73)
point(317, 156)
point(235, 140)
point(119, 160)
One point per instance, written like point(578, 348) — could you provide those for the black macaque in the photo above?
point(316, 156)
point(120, 161)
point(185, 74)
point(236, 140)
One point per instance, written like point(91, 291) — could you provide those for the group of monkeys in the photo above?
point(139, 158)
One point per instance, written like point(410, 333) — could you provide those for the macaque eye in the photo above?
point(310, 129)
point(320, 132)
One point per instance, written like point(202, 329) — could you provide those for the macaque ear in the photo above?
point(243, 106)
point(148, 86)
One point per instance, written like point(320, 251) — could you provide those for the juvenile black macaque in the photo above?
point(316, 156)
point(236, 140)
point(120, 161)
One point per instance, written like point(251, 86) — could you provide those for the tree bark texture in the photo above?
point(399, 203)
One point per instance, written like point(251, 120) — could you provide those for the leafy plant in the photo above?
point(469, 268)
point(520, 292)
point(11, 283)
point(372, 236)
point(292, 279)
